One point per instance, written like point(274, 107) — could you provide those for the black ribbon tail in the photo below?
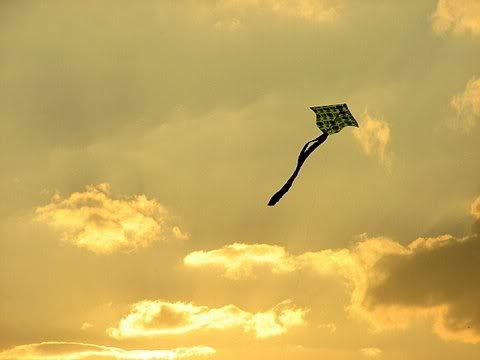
point(307, 149)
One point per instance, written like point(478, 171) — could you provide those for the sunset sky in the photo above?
point(142, 140)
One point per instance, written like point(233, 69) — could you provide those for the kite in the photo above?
point(330, 120)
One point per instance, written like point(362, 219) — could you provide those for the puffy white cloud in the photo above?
point(390, 284)
point(371, 352)
point(457, 15)
point(467, 106)
point(374, 137)
point(155, 318)
point(92, 219)
point(77, 351)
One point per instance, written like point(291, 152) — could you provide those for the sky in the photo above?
point(141, 142)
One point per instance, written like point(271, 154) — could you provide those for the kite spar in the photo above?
point(330, 119)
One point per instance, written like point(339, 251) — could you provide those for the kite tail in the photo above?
point(284, 189)
point(304, 153)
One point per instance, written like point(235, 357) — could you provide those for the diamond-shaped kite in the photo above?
point(330, 119)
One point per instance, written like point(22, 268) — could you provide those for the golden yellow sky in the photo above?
point(141, 141)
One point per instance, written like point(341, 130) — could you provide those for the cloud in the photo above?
point(311, 10)
point(240, 260)
point(467, 105)
point(231, 25)
point(77, 351)
point(371, 352)
point(331, 327)
point(374, 136)
point(155, 318)
point(94, 220)
point(475, 208)
point(457, 15)
point(86, 326)
point(390, 284)
point(427, 281)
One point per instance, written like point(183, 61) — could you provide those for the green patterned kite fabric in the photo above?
point(333, 118)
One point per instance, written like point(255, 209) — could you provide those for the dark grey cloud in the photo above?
point(441, 277)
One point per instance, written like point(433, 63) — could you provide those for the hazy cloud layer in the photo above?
point(202, 105)
point(374, 137)
point(94, 220)
point(390, 284)
point(76, 351)
point(467, 105)
point(155, 318)
point(458, 16)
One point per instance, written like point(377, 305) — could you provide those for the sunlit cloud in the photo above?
point(460, 16)
point(475, 208)
point(241, 260)
point(93, 220)
point(371, 352)
point(374, 137)
point(467, 106)
point(156, 318)
point(379, 273)
point(78, 351)
point(431, 243)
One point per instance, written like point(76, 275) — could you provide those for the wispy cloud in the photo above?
point(314, 10)
point(77, 351)
point(230, 25)
point(92, 219)
point(371, 352)
point(467, 106)
point(374, 137)
point(86, 326)
point(459, 16)
point(156, 318)
point(331, 327)
point(232, 15)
